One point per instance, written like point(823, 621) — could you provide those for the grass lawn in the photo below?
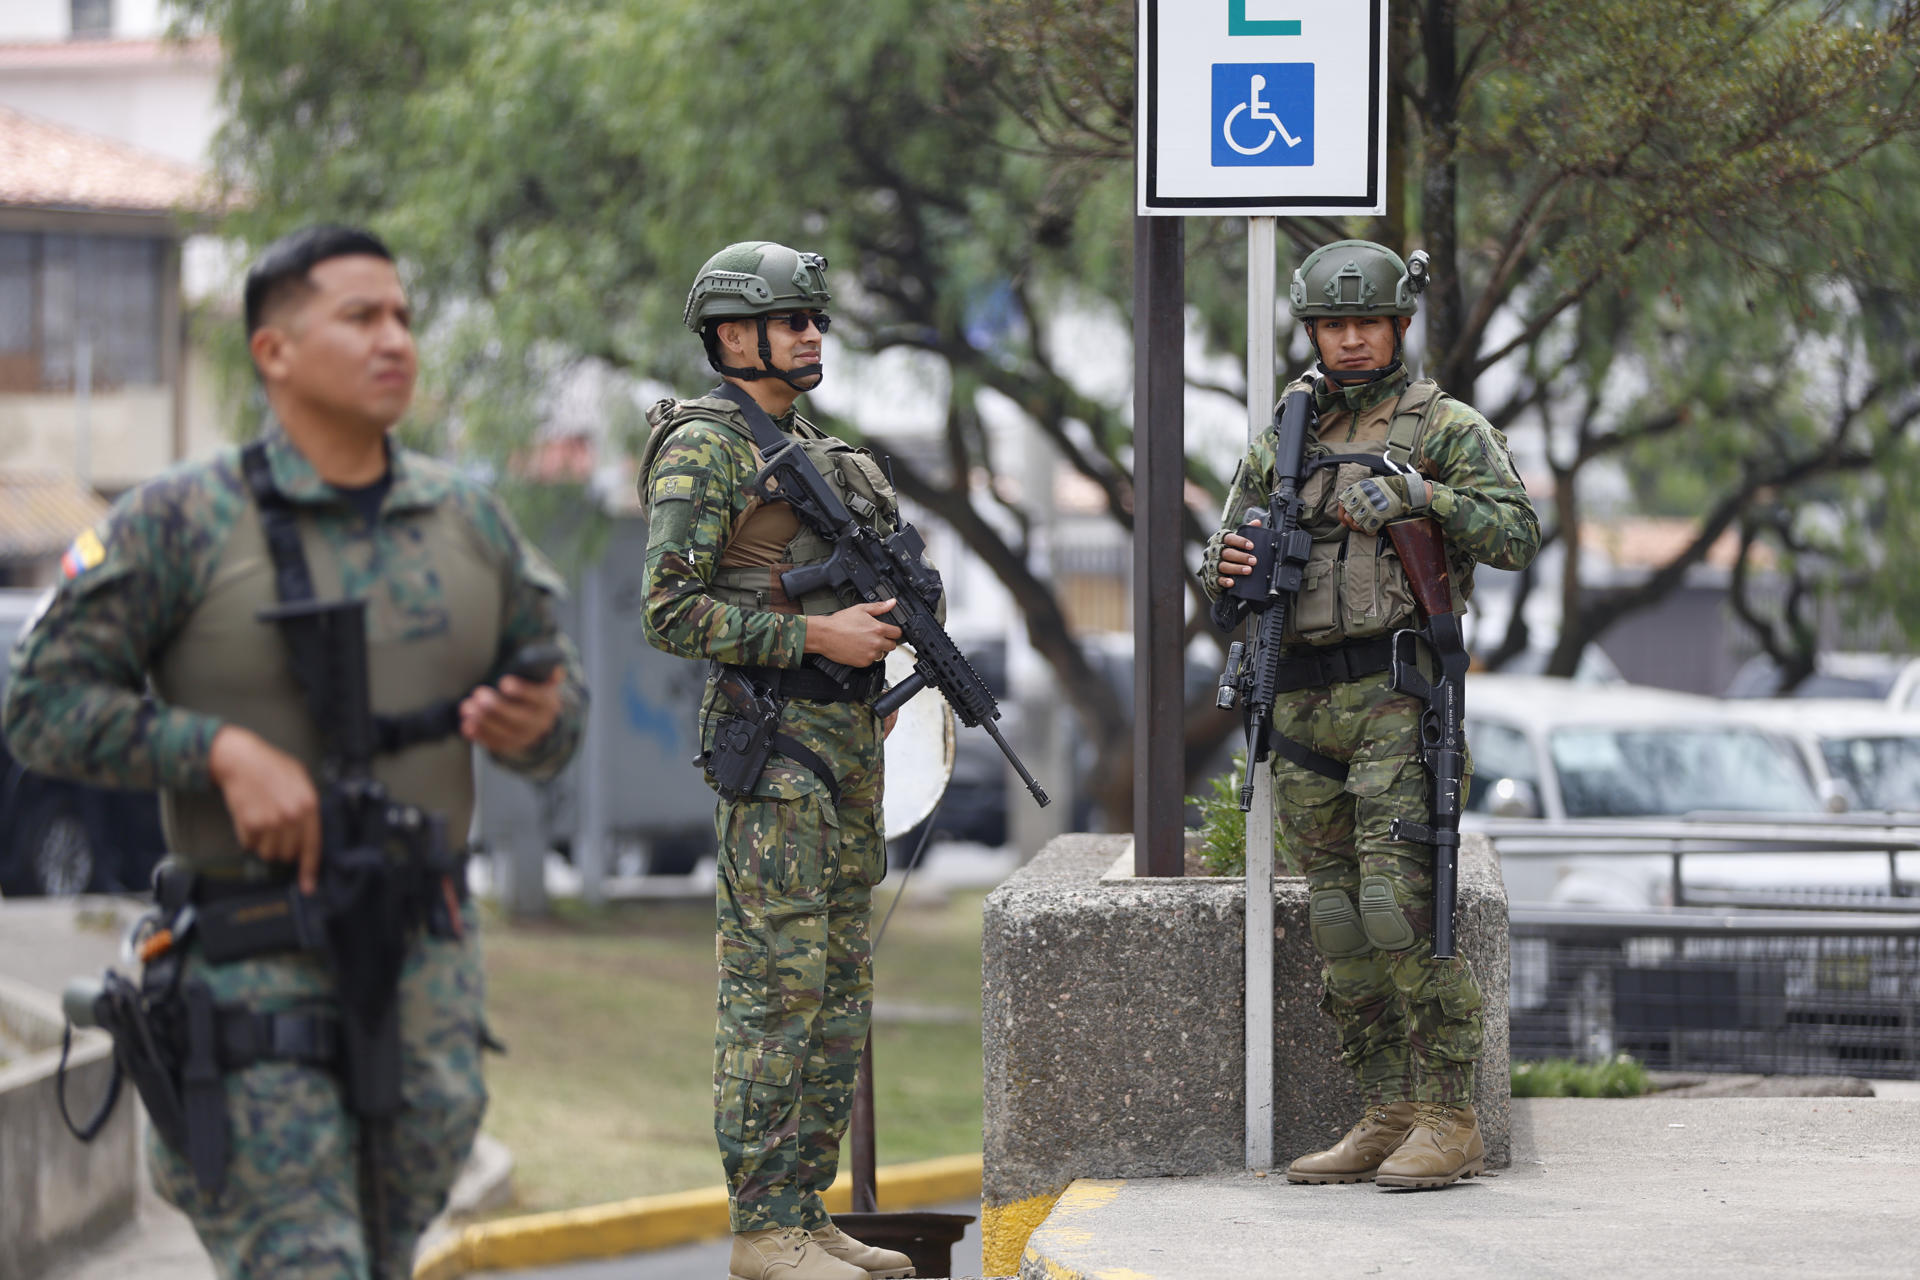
point(606, 1091)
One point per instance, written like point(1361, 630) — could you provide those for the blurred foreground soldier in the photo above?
point(1350, 763)
point(316, 988)
point(794, 753)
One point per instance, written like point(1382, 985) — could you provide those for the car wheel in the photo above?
point(55, 852)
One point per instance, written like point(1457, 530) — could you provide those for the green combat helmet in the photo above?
point(749, 281)
point(1358, 278)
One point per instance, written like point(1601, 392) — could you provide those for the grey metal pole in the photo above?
point(592, 837)
point(1159, 566)
point(1259, 985)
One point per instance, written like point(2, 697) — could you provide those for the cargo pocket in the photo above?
point(1453, 988)
point(754, 1090)
point(1370, 779)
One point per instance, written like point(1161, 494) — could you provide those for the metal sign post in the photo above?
point(1261, 233)
point(1259, 109)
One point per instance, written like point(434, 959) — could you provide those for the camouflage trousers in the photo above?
point(1409, 1024)
point(796, 877)
point(291, 1204)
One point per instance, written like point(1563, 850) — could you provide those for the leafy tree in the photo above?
point(1656, 229)
point(557, 171)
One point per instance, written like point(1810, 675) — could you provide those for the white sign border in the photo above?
point(1146, 141)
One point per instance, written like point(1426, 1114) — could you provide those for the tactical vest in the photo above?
point(225, 662)
point(767, 539)
point(1353, 586)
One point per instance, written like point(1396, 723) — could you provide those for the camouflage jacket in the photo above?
point(1478, 499)
point(82, 702)
point(694, 487)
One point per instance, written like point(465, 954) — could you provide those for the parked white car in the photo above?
point(1865, 753)
point(1565, 774)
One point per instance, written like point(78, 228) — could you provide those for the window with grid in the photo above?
point(92, 19)
point(77, 308)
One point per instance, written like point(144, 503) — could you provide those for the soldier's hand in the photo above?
point(1367, 506)
point(1236, 557)
point(275, 808)
point(886, 728)
point(510, 718)
point(855, 636)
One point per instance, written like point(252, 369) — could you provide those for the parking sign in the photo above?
point(1262, 107)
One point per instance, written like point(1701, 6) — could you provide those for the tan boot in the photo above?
point(1443, 1147)
point(785, 1253)
point(881, 1264)
point(1356, 1156)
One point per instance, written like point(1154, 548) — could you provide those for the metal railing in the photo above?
point(1792, 981)
point(1785, 993)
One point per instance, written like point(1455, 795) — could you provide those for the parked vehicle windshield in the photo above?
point(1642, 772)
point(1882, 773)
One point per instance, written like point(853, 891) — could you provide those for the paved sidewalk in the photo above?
point(1704, 1187)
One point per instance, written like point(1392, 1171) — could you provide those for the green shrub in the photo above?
point(1616, 1077)
point(1223, 828)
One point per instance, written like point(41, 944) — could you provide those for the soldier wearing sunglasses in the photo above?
point(801, 844)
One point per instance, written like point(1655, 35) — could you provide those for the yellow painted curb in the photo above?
point(654, 1222)
point(1004, 1229)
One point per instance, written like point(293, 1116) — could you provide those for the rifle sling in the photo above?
point(767, 436)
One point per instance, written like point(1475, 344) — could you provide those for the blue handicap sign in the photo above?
point(1262, 114)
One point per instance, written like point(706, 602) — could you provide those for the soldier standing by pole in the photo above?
point(1409, 1022)
point(315, 982)
point(790, 743)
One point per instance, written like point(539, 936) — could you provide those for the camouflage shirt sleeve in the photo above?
point(1477, 496)
point(77, 702)
point(529, 616)
point(694, 493)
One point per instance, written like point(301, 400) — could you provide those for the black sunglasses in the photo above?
point(798, 321)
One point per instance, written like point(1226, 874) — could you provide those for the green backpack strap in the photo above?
point(1410, 419)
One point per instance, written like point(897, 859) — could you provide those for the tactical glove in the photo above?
point(1210, 564)
point(1368, 505)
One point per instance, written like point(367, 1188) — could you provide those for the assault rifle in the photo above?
point(867, 567)
point(1443, 744)
point(1280, 549)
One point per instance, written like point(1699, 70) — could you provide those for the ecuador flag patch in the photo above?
point(84, 554)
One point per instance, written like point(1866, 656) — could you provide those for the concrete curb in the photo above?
point(655, 1222)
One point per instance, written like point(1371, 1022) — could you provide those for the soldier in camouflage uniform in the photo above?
point(151, 669)
point(801, 845)
point(1409, 1024)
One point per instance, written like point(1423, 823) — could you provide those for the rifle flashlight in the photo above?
point(1229, 691)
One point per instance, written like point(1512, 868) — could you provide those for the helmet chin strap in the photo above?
point(792, 377)
point(1355, 377)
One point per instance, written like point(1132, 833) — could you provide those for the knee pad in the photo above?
point(1335, 925)
point(1384, 923)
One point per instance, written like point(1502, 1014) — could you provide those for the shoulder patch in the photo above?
point(672, 489)
point(86, 552)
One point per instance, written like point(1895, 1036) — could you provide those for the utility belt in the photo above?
point(1335, 664)
point(240, 919)
point(749, 737)
point(810, 685)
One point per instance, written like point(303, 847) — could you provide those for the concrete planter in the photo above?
point(1114, 1032)
point(56, 1192)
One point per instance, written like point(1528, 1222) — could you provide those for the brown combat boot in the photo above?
point(881, 1264)
point(1356, 1156)
point(785, 1253)
point(1443, 1147)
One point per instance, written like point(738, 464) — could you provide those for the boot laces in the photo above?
point(1432, 1115)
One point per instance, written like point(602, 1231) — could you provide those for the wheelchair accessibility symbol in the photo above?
point(1263, 114)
